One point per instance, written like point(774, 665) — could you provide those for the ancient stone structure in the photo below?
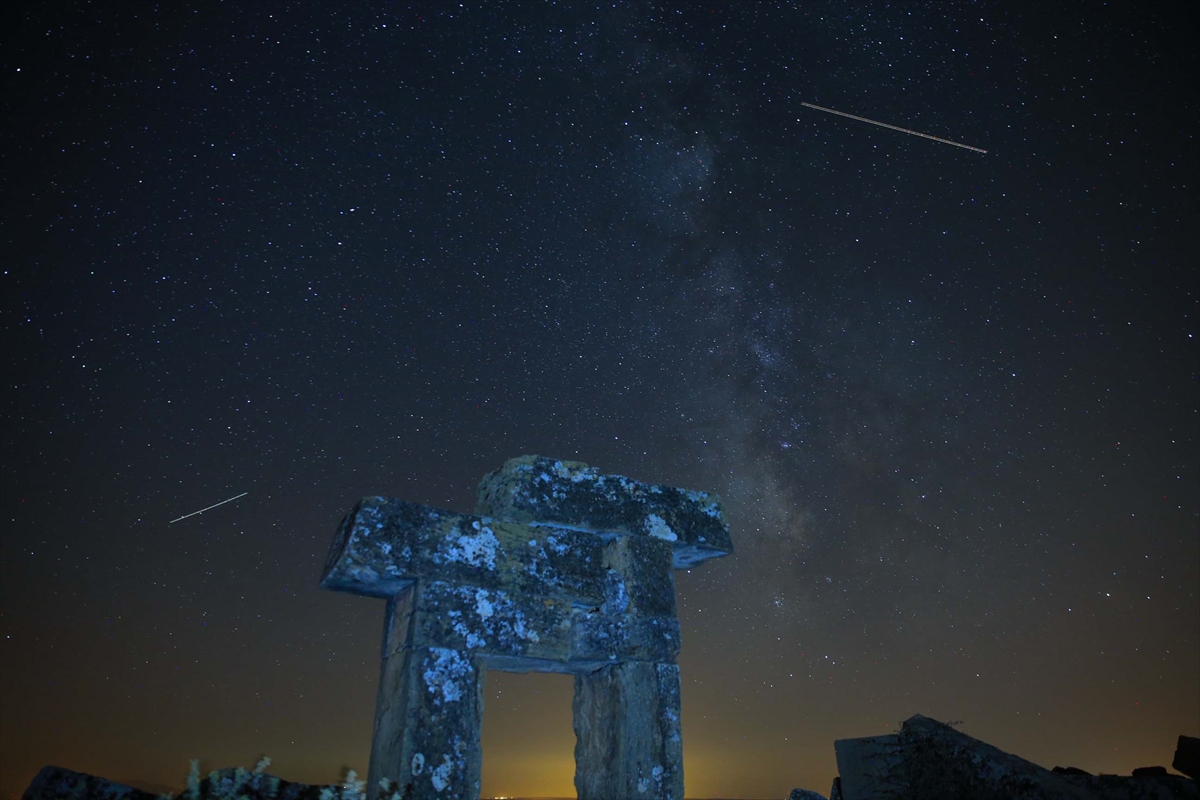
point(929, 760)
point(560, 569)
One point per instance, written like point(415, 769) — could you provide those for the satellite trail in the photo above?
point(214, 505)
point(895, 128)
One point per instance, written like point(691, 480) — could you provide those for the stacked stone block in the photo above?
point(561, 569)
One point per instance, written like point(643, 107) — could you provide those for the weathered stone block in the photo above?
point(602, 638)
point(509, 590)
point(641, 577)
point(493, 621)
point(383, 545)
point(627, 731)
point(867, 763)
point(570, 493)
point(1187, 756)
point(428, 715)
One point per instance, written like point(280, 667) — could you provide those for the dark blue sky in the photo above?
point(313, 252)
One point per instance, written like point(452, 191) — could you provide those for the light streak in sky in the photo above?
point(214, 505)
point(895, 128)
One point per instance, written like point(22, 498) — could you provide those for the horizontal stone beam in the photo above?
point(519, 633)
point(538, 490)
point(383, 545)
point(526, 598)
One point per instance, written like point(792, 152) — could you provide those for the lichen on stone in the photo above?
point(445, 677)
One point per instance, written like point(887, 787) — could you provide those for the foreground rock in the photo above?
point(805, 794)
point(1187, 756)
point(928, 760)
point(60, 783)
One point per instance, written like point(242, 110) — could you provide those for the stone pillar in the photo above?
point(428, 715)
point(627, 735)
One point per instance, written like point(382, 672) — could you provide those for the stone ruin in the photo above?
point(560, 569)
point(930, 760)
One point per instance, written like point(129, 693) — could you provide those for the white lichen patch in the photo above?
point(483, 605)
point(657, 527)
point(489, 615)
point(441, 776)
point(477, 547)
point(446, 674)
point(418, 763)
point(617, 595)
point(370, 518)
point(473, 639)
point(522, 630)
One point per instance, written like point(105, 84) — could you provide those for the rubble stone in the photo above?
point(1187, 757)
point(928, 760)
point(60, 783)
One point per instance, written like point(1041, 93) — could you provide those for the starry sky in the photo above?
point(315, 251)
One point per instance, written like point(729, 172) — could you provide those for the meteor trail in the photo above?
point(895, 128)
point(214, 505)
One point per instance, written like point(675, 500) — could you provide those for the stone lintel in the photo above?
point(600, 638)
point(535, 489)
point(494, 623)
point(502, 663)
point(384, 544)
point(508, 589)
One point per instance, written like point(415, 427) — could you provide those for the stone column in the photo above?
point(627, 735)
point(428, 715)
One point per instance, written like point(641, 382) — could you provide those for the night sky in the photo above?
point(315, 251)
